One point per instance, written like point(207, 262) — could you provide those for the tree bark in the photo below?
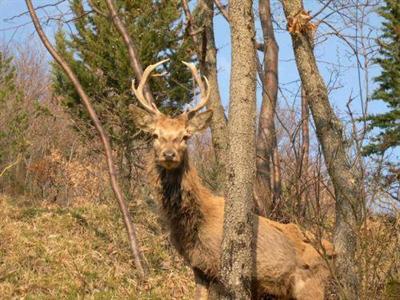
point(330, 135)
point(276, 179)
point(267, 187)
point(237, 257)
point(104, 139)
point(305, 131)
point(305, 153)
point(207, 56)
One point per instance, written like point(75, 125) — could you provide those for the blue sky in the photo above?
point(330, 54)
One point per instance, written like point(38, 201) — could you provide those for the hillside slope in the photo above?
point(53, 252)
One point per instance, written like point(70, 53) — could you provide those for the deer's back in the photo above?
point(282, 254)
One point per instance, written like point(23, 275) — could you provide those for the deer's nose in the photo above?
point(169, 155)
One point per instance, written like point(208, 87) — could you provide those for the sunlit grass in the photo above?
point(53, 252)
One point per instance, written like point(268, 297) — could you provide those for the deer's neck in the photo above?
point(180, 195)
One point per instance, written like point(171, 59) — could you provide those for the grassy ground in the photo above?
point(81, 252)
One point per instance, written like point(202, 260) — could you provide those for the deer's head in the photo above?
point(170, 135)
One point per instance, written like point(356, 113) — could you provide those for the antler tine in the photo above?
point(149, 106)
point(204, 89)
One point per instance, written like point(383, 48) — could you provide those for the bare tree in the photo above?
point(103, 136)
point(201, 27)
point(330, 135)
point(268, 179)
point(236, 258)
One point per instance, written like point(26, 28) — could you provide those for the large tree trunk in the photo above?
point(207, 55)
point(237, 258)
point(330, 135)
point(267, 173)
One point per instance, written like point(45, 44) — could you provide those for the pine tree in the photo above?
point(99, 57)
point(389, 82)
point(13, 117)
point(97, 54)
point(7, 77)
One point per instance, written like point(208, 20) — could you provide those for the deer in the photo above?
point(287, 265)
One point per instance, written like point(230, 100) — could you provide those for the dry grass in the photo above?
point(53, 252)
point(379, 257)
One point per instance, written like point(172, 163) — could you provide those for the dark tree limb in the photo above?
point(103, 136)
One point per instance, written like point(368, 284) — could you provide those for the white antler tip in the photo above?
point(190, 65)
point(162, 61)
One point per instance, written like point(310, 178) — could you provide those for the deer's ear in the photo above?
point(199, 121)
point(143, 120)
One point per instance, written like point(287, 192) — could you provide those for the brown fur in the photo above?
point(287, 266)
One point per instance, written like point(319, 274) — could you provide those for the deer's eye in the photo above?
point(155, 136)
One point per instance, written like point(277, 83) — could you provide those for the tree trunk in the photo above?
point(237, 257)
point(207, 55)
point(305, 132)
point(276, 179)
point(330, 135)
point(305, 153)
point(268, 173)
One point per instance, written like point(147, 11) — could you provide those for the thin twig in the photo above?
point(321, 10)
point(39, 7)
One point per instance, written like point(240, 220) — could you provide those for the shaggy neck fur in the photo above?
point(179, 193)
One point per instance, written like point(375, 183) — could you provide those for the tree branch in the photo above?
point(96, 9)
point(222, 9)
point(103, 136)
point(189, 22)
point(132, 51)
point(39, 7)
point(321, 10)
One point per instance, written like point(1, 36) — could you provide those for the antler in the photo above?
point(152, 108)
point(149, 106)
point(204, 89)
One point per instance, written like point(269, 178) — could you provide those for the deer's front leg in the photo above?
point(202, 284)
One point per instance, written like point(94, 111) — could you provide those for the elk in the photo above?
point(287, 265)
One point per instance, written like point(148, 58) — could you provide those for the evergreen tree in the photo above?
point(13, 118)
point(7, 78)
point(389, 82)
point(97, 54)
